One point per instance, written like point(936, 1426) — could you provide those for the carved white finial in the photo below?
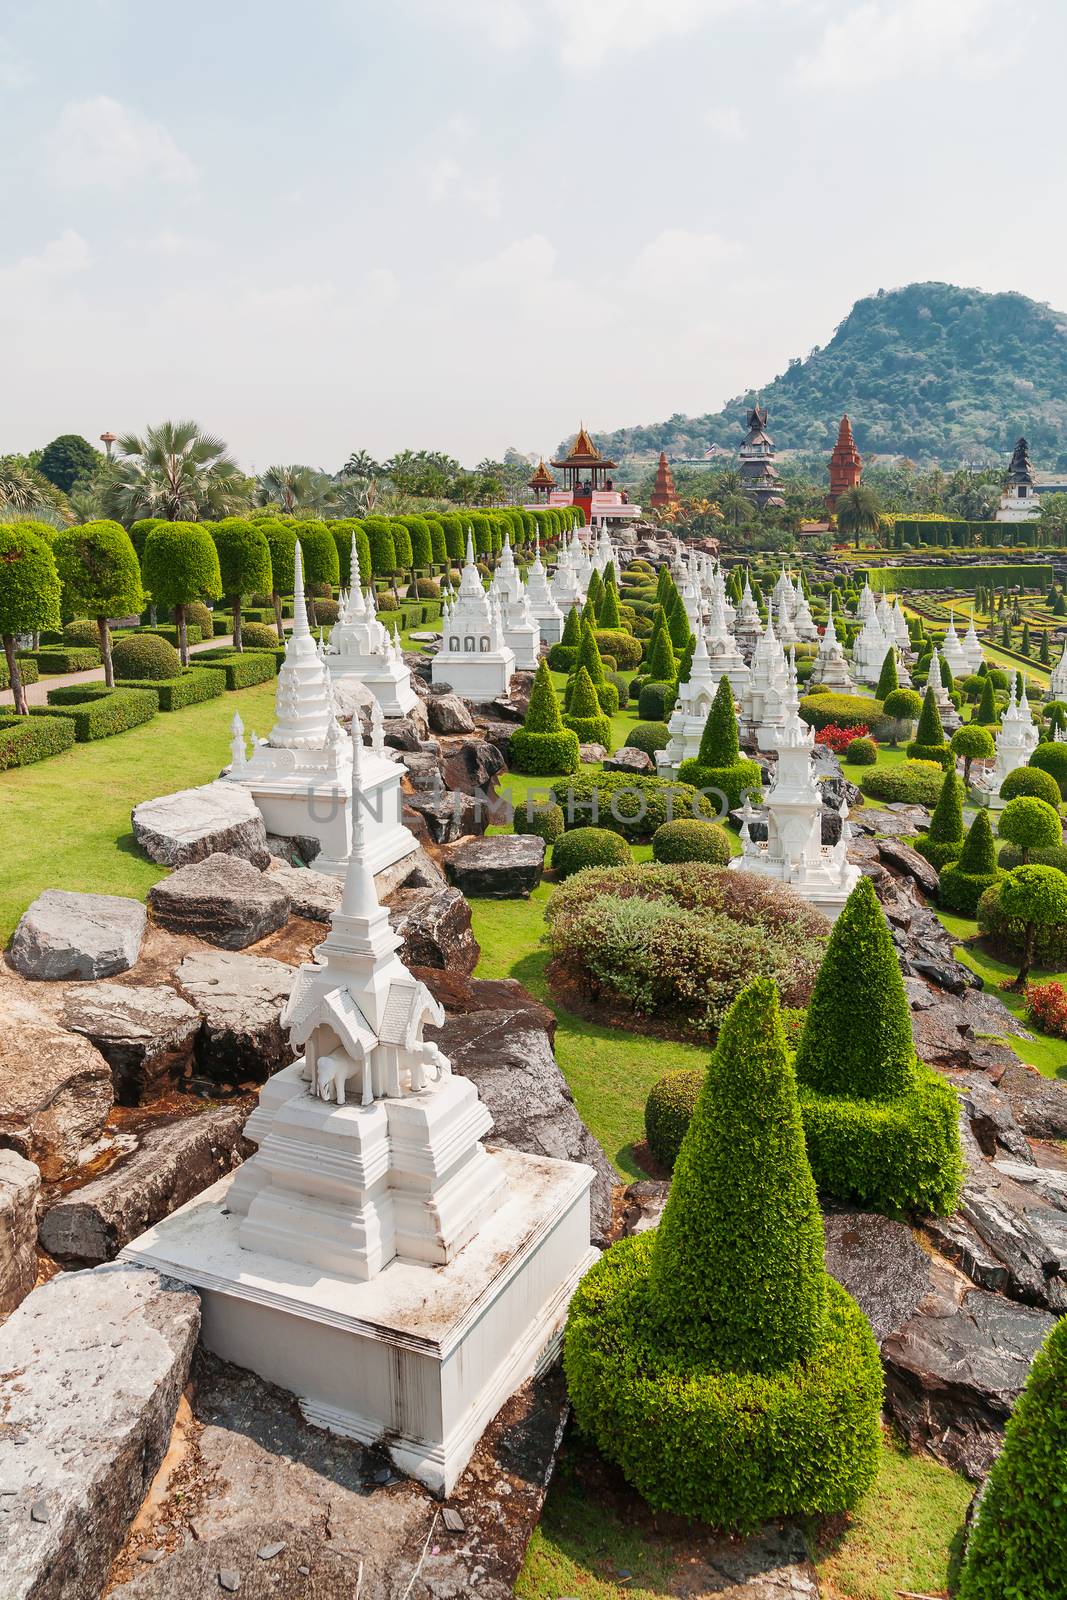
point(238, 757)
point(300, 615)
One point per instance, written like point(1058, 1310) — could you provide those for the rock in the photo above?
point(627, 759)
point(240, 999)
point(103, 1358)
point(299, 850)
point(880, 1264)
point(222, 899)
point(994, 1126)
point(448, 816)
point(414, 871)
point(217, 819)
point(435, 925)
point(1039, 1104)
point(904, 859)
point(423, 767)
point(506, 1050)
point(145, 1034)
point(175, 1161)
point(315, 895)
point(449, 714)
point(498, 867)
point(471, 767)
point(956, 1368)
point(55, 1092)
point(20, 1186)
point(351, 697)
point(591, 755)
point(1007, 1228)
point(63, 935)
point(642, 1205)
point(896, 819)
point(499, 735)
point(836, 789)
point(406, 733)
point(943, 1037)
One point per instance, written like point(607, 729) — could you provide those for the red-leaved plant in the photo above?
point(838, 739)
point(1046, 1007)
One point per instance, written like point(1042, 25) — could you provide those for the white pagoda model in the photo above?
point(567, 589)
point(1016, 740)
point(1020, 501)
point(691, 708)
point(763, 700)
point(543, 607)
point(793, 851)
point(803, 621)
point(971, 645)
point(749, 626)
point(1057, 683)
point(474, 656)
point(362, 647)
point(830, 666)
point(300, 776)
point(950, 717)
point(521, 632)
point(870, 648)
point(952, 650)
point(372, 1256)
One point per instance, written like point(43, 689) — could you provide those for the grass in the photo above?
point(904, 1536)
point(67, 819)
point(1042, 1051)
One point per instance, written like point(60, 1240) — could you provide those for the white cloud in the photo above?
point(101, 142)
point(15, 72)
point(677, 261)
point(60, 259)
point(170, 244)
point(725, 121)
point(523, 277)
point(885, 39)
point(506, 24)
point(584, 32)
point(450, 180)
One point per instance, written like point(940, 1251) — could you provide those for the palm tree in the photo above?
point(18, 486)
point(174, 471)
point(294, 488)
point(858, 511)
point(360, 464)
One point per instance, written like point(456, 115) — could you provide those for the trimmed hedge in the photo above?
point(27, 671)
point(143, 656)
point(691, 841)
point(916, 783)
point(544, 754)
point(190, 688)
point(561, 657)
point(242, 671)
point(733, 781)
point(589, 847)
point(844, 710)
point(100, 715)
point(669, 1111)
point(655, 701)
point(1031, 781)
point(634, 806)
point(649, 737)
point(24, 740)
point(193, 632)
point(544, 822)
point(957, 577)
point(53, 662)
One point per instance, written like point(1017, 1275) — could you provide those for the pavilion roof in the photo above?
point(542, 478)
point(583, 453)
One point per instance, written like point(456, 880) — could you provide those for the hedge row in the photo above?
point(244, 670)
point(24, 740)
point(965, 535)
point(57, 661)
point(27, 671)
point(194, 685)
point(964, 578)
point(98, 717)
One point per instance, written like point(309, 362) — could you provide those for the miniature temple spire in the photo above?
point(300, 615)
point(360, 898)
point(355, 605)
point(238, 758)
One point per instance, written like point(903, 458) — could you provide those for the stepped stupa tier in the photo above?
point(664, 493)
point(870, 648)
point(803, 621)
point(900, 628)
point(830, 666)
point(724, 658)
point(783, 590)
point(1057, 687)
point(1016, 740)
point(759, 475)
point(793, 852)
point(372, 1257)
point(474, 657)
point(543, 607)
point(566, 589)
point(866, 605)
point(749, 625)
point(604, 553)
point(952, 650)
point(300, 777)
point(522, 633)
point(787, 634)
point(973, 654)
point(581, 560)
point(691, 708)
point(763, 701)
point(846, 468)
point(950, 717)
point(363, 648)
point(1019, 502)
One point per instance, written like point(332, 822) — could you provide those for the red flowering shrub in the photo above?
point(1046, 1008)
point(838, 739)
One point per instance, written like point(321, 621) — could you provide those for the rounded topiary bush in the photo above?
point(385, 600)
point(427, 589)
point(326, 613)
point(589, 847)
point(649, 737)
point(1011, 856)
point(843, 710)
point(861, 752)
point(82, 633)
point(1052, 758)
point(545, 822)
point(1007, 934)
point(623, 646)
point(916, 783)
point(655, 702)
point(691, 841)
point(198, 615)
point(260, 635)
point(634, 805)
point(669, 1111)
point(1033, 783)
point(145, 655)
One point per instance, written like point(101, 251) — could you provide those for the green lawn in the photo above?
point(67, 819)
point(1047, 1054)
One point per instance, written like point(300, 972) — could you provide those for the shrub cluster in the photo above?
point(649, 737)
point(1046, 1006)
point(623, 646)
point(260, 636)
point(1052, 758)
point(1007, 933)
point(655, 701)
point(544, 822)
point(589, 847)
point(99, 715)
point(862, 752)
point(916, 783)
point(24, 740)
point(242, 671)
point(1032, 782)
point(845, 710)
point(145, 655)
point(50, 662)
point(634, 806)
point(188, 688)
point(691, 841)
point(719, 764)
point(669, 1111)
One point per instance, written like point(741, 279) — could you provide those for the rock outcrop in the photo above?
point(64, 935)
point(20, 1187)
point(222, 899)
point(145, 1034)
point(55, 1091)
point(240, 1000)
point(500, 866)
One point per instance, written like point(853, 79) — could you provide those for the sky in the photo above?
point(468, 224)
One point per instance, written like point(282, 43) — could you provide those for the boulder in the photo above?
point(103, 1357)
point(902, 858)
point(879, 1263)
point(471, 767)
point(627, 759)
point(240, 1000)
point(995, 1129)
point(20, 1186)
point(315, 895)
point(499, 735)
point(591, 755)
point(897, 819)
point(1039, 1104)
point(55, 1092)
point(299, 850)
point(407, 733)
point(435, 925)
point(174, 1162)
point(423, 767)
point(956, 1368)
point(414, 871)
point(217, 819)
point(498, 867)
point(449, 714)
point(351, 697)
point(221, 899)
point(505, 1048)
point(63, 935)
point(447, 816)
point(145, 1034)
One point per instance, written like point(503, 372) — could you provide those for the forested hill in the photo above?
point(929, 371)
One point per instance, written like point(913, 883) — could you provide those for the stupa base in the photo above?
point(827, 892)
point(417, 1360)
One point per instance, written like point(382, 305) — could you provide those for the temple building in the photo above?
point(664, 493)
point(587, 483)
point(846, 467)
point(759, 475)
point(542, 483)
point(1019, 501)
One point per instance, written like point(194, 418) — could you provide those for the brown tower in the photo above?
point(664, 494)
point(845, 465)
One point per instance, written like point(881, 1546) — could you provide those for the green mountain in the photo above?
point(929, 371)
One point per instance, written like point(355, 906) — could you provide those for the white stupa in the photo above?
point(900, 628)
point(362, 647)
point(830, 666)
point(724, 658)
point(300, 776)
point(373, 1257)
point(971, 645)
point(748, 627)
point(474, 656)
point(952, 649)
point(950, 717)
point(787, 634)
point(866, 605)
point(1057, 684)
point(581, 561)
point(793, 852)
point(543, 607)
point(1015, 740)
point(783, 591)
point(521, 632)
point(870, 648)
point(763, 700)
point(691, 708)
point(803, 621)
point(567, 590)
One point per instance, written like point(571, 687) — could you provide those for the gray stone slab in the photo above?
point(240, 999)
point(20, 1187)
point(64, 935)
point(145, 1033)
point(222, 899)
point(192, 824)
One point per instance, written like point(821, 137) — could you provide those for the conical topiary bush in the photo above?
point(608, 614)
point(585, 717)
point(929, 743)
point(678, 626)
point(543, 745)
point(881, 1127)
point(714, 1360)
point(965, 880)
point(659, 665)
point(944, 841)
point(719, 764)
point(888, 679)
point(986, 713)
point(590, 658)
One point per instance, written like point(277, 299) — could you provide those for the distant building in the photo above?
point(542, 483)
point(1019, 502)
point(759, 475)
point(587, 483)
point(846, 467)
point(664, 493)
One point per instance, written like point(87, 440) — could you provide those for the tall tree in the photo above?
point(294, 488)
point(101, 578)
point(174, 471)
point(858, 511)
point(29, 595)
point(181, 565)
point(67, 459)
point(244, 565)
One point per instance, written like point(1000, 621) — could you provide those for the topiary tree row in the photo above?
point(101, 578)
point(29, 595)
point(543, 745)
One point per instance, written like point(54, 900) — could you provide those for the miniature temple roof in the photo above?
point(542, 478)
point(583, 453)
